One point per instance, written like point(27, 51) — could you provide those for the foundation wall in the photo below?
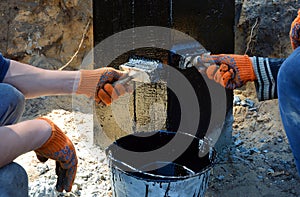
point(153, 107)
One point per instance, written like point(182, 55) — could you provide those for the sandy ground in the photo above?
point(259, 162)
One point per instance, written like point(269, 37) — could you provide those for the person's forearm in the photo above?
point(22, 137)
point(35, 82)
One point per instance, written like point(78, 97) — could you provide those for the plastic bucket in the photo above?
point(159, 164)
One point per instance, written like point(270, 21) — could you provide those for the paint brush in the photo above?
point(188, 54)
point(143, 70)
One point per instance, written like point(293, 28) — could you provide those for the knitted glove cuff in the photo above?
point(265, 84)
point(57, 141)
point(245, 68)
point(88, 83)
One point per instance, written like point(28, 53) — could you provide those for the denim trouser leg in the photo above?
point(13, 177)
point(289, 101)
point(13, 181)
point(11, 104)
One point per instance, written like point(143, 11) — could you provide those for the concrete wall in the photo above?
point(211, 23)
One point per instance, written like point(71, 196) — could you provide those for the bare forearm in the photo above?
point(20, 138)
point(35, 82)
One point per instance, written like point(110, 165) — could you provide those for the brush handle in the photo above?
point(132, 75)
point(201, 62)
point(124, 80)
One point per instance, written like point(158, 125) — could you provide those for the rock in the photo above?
point(42, 168)
point(247, 103)
point(270, 171)
point(236, 100)
point(103, 178)
point(238, 142)
point(52, 28)
point(75, 188)
point(260, 177)
point(39, 189)
point(279, 139)
point(220, 177)
point(70, 3)
point(254, 150)
point(250, 14)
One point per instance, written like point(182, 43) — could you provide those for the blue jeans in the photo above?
point(13, 181)
point(289, 101)
point(12, 104)
point(13, 177)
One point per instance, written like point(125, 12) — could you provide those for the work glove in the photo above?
point(59, 148)
point(295, 32)
point(100, 84)
point(231, 71)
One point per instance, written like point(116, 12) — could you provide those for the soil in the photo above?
point(259, 162)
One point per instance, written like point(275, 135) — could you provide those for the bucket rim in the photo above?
point(212, 158)
point(165, 178)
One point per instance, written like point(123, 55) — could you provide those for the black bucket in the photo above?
point(158, 164)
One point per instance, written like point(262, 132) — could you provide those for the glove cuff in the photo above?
point(56, 142)
point(88, 83)
point(245, 68)
point(266, 84)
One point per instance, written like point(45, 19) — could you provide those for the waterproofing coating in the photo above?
point(186, 176)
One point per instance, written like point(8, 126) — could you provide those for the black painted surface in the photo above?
point(114, 16)
point(208, 21)
point(211, 23)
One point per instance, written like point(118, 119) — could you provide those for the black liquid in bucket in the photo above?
point(162, 168)
point(159, 163)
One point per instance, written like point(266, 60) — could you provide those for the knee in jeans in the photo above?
point(13, 172)
point(13, 181)
point(12, 103)
point(288, 75)
point(12, 100)
point(13, 96)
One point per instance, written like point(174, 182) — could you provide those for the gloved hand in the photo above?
point(295, 32)
point(59, 148)
point(231, 71)
point(98, 84)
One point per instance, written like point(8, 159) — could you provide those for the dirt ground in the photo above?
point(260, 162)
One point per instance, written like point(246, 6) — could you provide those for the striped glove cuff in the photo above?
point(266, 84)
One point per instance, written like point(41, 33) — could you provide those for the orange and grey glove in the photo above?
point(231, 71)
point(59, 148)
point(295, 32)
point(99, 84)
